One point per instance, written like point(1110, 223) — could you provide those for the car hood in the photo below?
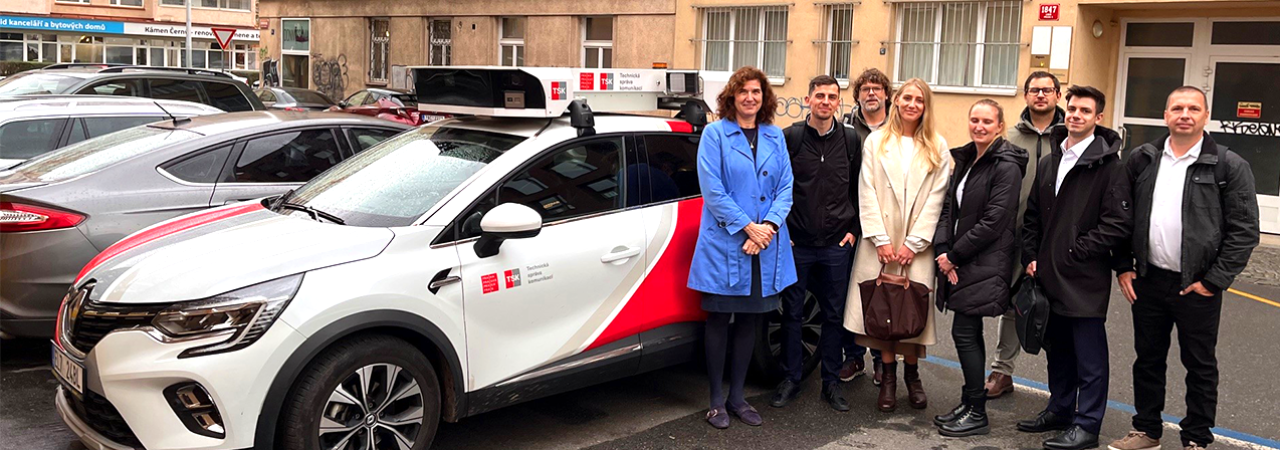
point(204, 254)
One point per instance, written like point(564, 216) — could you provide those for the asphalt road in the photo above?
point(664, 409)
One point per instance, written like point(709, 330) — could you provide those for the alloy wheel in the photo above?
point(377, 407)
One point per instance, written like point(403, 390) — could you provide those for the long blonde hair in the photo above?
point(926, 139)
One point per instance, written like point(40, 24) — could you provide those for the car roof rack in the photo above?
point(215, 73)
point(77, 65)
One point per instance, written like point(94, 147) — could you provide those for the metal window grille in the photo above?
point(837, 48)
point(379, 45)
point(965, 44)
point(441, 42)
point(733, 37)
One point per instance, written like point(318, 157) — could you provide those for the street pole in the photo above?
point(188, 2)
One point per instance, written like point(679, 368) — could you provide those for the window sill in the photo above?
point(380, 83)
point(1002, 92)
point(778, 81)
point(126, 6)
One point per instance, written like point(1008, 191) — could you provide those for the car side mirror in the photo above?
point(343, 104)
point(506, 221)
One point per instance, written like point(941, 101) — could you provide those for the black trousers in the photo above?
point(966, 331)
point(1157, 311)
point(824, 271)
point(1079, 369)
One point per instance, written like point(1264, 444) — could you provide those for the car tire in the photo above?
point(368, 392)
point(766, 360)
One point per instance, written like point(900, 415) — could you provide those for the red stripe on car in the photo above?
point(165, 229)
point(663, 297)
point(680, 127)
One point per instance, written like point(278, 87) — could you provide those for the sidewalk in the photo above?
point(1264, 264)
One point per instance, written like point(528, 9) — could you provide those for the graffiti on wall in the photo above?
point(329, 75)
point(796, 108)
point(1251, 128)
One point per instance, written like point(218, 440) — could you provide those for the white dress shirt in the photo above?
point(1164, 236)
point(1069, 158)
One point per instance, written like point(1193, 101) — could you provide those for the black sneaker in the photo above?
point(787, 391)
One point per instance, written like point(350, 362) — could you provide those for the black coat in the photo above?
point(1219, 216)
point(979, 236)
point(825, 191)
point(1072, 235)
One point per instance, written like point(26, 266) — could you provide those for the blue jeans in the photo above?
point(824, 271)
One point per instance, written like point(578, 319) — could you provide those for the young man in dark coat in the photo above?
point(825, 159)
point(1079, 212)
point(1196, 223)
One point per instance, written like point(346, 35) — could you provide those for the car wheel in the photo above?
point(371, 392)
point(766, 361)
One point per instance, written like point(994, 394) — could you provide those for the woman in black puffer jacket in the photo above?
point(975, 243)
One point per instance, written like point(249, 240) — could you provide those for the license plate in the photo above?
point(68, 370)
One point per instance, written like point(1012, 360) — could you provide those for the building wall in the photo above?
point(552, 41)
point(641, 40)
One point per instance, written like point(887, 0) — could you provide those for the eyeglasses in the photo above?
point(1038, 91)
point(870, 89)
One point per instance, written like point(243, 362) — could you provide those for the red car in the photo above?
point(393, 105)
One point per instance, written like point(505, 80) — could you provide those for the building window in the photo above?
point(837, 48)
point(137, 3)
point(511, 41)
point(234, 5)
point(597, 42)
point(72, 1)
point(295, 52)
point(750, 36)
point(379, 43)
point(440, 43)
point(961, 44)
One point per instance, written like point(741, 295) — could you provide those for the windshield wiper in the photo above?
point(315, 213)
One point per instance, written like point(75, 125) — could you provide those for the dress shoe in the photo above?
point(888, 399)
point(999, 384)
point(787, 391)
point(831, 393)
point(915, 387)
point(1045, 421)
point(1075, 438)
point(877, 369)
point(1193, 446)
point(955, 413)
point(851, 369)
point(747, 415)
point(718, 417)
point(972, 422)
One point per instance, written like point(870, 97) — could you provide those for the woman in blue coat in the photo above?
point(743, 256)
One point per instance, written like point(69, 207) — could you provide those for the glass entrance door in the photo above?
point(1245, 116)
point(1147, 79)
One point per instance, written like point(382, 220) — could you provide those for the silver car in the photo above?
point(59, 210)
point(35, 124)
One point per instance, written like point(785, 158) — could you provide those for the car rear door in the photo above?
point(273, 163)
point(543, 302)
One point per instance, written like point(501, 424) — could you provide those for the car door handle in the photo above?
point(620, 253)
point(442, 279)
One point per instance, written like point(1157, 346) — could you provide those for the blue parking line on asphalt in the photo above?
point(1124, 407)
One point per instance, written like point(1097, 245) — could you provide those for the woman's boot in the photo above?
point(915, 388)
point(888, 400)
point(974, 421)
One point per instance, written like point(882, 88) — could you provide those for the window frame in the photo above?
point(829, 43)
point(980, 29)
point(763, 10)
point(445, 45)
point(223, 5)
point(599, 45)
point(516, 44)
point(374, 43)
point(117, 3)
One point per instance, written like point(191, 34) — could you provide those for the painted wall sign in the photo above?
point(1049, 11)
point(1249, 110)
point(125, 28)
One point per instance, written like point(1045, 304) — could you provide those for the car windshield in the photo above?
point(310, 97)
point(399, 180)
point(97, 153)
point(405, 100)
point(37, 83)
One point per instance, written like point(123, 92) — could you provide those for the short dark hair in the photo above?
point(1188, 89)
point(1088, 92)
point(1026, 85)
point(873, 75)
point(822, 80)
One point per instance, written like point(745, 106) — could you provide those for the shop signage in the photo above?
point(1049, 11)
point(1249, 110)
point(124, 28)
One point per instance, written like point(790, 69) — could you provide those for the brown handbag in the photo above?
point(894, 307)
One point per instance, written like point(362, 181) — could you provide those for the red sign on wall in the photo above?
point(586, 81)
point(1049, 11)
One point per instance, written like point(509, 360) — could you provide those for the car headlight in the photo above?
point(242, 315)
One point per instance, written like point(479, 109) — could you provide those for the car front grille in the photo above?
point(100, 415)
point(96, 320)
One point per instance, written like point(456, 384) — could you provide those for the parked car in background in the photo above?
point(214, 88)
point(33, 125)
point(393, 105)
point(60, 209)
point(294, 99)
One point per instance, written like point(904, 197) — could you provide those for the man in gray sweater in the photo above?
point(1042, 91)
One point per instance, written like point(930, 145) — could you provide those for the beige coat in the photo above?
point(882, 204)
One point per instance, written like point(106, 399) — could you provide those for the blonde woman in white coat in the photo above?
point(902, 185)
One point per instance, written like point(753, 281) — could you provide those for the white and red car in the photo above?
point(467, 265)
